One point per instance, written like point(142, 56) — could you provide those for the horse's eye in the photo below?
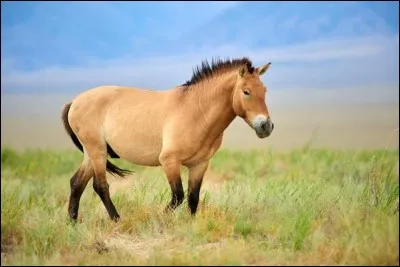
point(246, 92)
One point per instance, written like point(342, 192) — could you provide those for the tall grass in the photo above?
point(305, 207)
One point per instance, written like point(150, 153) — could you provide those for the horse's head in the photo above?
point(249, 100)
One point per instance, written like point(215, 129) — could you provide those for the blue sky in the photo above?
point(58, 47)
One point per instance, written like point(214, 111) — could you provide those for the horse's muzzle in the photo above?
point(263, 126)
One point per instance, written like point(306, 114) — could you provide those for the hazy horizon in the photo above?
point(331, 118)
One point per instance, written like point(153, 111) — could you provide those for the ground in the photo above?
point(307, 206)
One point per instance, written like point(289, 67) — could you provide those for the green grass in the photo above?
point(306, 207)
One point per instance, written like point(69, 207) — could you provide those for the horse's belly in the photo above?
point(141, 155)
point(137, 151)
point(139, 146)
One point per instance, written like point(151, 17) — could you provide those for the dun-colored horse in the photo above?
point(179, 126)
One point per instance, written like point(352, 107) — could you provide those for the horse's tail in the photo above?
point(111, 168)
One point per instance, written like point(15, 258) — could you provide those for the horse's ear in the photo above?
point(261, 70)
point(243, 70)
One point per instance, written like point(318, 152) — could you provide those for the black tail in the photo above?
point(111, 168)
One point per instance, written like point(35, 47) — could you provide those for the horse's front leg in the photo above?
point(196, 175)
point(172, 168)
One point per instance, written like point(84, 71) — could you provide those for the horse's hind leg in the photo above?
point(78, 184)
point(100, 185)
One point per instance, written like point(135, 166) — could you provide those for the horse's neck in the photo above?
point(214, 103)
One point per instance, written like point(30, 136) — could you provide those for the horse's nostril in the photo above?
point(264, 125)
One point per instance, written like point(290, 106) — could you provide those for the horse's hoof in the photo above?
point(116, 218)
point(72, 221)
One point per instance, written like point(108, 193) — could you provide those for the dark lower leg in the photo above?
point(196, 174)
point(171, 167)
point(78, 184)
point(102, 189)
point(193, 195)
point(177, 194)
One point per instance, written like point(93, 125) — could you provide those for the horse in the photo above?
point(178, 126)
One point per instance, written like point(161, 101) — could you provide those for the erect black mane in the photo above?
point(206, 70)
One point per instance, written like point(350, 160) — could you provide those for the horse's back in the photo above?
point(100, 99)
point(107, 93)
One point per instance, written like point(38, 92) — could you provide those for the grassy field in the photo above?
point(305, 207)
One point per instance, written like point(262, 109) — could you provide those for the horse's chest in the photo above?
point(201, 155)
point(204, 152)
